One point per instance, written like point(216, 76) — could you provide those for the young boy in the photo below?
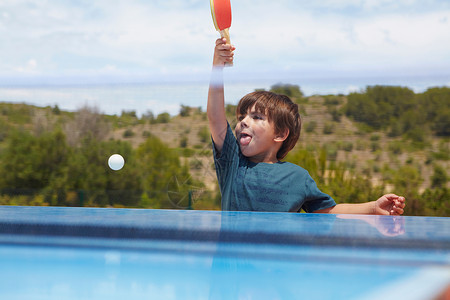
point(250, 174)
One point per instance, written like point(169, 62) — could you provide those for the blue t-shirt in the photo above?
point(278, 187)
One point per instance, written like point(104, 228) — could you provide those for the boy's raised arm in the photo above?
point(223, 53)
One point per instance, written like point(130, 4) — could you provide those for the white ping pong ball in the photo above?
point(116, 162)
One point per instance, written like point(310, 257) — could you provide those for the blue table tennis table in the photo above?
point(101, 253)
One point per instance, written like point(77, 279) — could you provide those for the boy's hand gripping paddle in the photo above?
point(221, 14)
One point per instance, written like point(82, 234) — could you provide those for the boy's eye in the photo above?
point(253, 116)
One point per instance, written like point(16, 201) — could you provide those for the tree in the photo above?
point(441, 125)
point(30, 162)
point(163, 118)
point(87, 122)
point(185, 111)
point(434, 101)
point(163, 177)
point(399, 109)
point(149, 116)
point(56, 110)
point(439, 178)
point(364, 109)
point(129, 114)
point(124, 187)
point(407, 181)
point(89, 172)
point(290, 90)
point(436, 202)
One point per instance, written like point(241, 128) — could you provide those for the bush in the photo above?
point(230, 110)
point(401, 111)
point(436, 202)
point(311, 126)
point(331, 151)
point(183, 141)
point(439, 178)
point(442, 124)
point(163, 118)
point(347, 146)
point(396, 147)
point(149, 116)
point(203, 134)
point(128, 114)
point(290, 90)
point(336, 114)
point(196, 164)
point(128, 133)
point(417, 135)
point(56, 110)
point(328, 128)
point(374, 146)
point(185, 111)
point(375, 137)
point(332, 100)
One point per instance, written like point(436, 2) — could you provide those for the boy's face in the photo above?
point(256, 137)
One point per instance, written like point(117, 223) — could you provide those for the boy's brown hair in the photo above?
point(280, 110)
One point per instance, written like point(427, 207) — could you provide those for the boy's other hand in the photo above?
point(223, 53)
point(389, 204)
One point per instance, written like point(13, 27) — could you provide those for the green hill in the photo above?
point(358, 146)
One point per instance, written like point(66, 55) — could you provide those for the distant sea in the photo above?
point(168, 97)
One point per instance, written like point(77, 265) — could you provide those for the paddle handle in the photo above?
point(226, 34)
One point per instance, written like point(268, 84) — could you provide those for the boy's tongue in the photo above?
point(245, 139)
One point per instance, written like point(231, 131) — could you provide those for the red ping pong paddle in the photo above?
point(221, 14)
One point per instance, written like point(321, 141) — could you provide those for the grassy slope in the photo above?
point(364, 156)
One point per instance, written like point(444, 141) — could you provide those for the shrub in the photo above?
point(163, 118)
point(439, 178)
point(396, 147)
point(185, 111)
point(203, 134)
point(311, 126)
point(128, 133)
point(183, 141)
point(347, 146)
point(328, 128)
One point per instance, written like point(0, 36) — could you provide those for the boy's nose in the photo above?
point(244, 122)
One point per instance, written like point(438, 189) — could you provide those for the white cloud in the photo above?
point(82, 42)
point(169, 37)
point(142, 35)
point(296, 39)
point(108, 69)
point(29, 67)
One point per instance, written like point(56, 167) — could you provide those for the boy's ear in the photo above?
point(282, 136)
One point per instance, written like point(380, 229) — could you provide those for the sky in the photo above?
point(63, 42)
point(174, 39)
